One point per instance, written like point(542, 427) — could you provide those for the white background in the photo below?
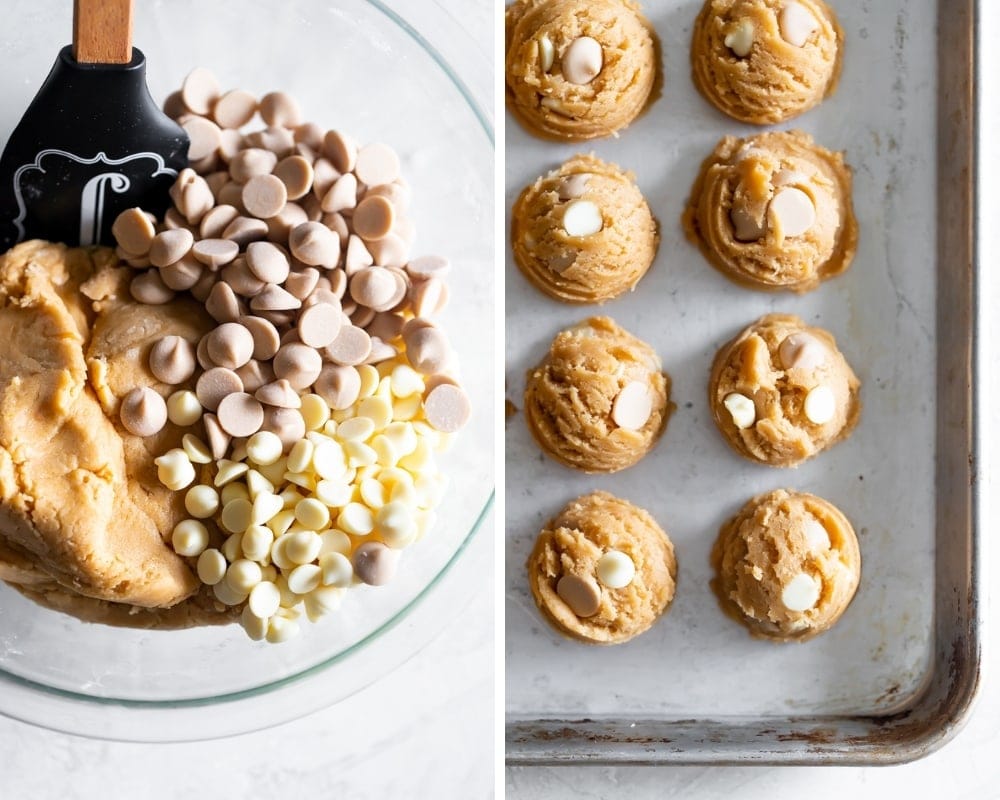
point(424, 731)
point(966, 769)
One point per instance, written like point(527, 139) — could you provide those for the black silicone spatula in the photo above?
point(92, 143)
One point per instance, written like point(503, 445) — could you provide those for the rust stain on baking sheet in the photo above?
point(812, 736)
point(928, 720)
point(569, 732)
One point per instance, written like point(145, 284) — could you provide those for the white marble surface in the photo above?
point(425, 730)
point(966, 768)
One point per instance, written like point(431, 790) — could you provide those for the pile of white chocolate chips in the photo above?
point(325, 389)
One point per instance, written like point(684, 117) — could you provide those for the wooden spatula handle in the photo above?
point(102, 31)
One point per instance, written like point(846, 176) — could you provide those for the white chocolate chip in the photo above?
point(546, 52)
point(582, 218)
point(201, 501)
point(237, 515)
point(742, 409)
point(632, 406)
point(337, 569)
point(801, 593)
point(816, 535)
point(796, 24)
point(583, 60)
point(740, 38)
point(183, 408)
point(196, 449)
point(211, 566)
point(256, 542)
point(265, 507)
point(820, 405)
point(615, 569)
point(243, 575)
point(264, 600)
point(174, 469)
point(304, 578)
point(280, 630)
point(264, 448)
point(791, 211)
point(189, 537)
point(801, 350)
point(790, 177)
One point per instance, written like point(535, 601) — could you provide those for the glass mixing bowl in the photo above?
point(359, 67)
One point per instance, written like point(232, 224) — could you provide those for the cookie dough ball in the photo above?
point(578, 69)
point(786, 566)
point(781, 391)
point(774, 211)
point(583, 233)
point(766, 61)
point(599, 400)
point(602, 571)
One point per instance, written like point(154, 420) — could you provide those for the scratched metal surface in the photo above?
point(696, 687)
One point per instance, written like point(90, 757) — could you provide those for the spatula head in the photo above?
point(91, 144)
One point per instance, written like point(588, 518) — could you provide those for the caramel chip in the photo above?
point(222, 303)
point(280, 394)
point(150, 289)
point(134, 231)
point(215, 384)
point(267, 262)
point(373, 218)
point(215, 253)
point(168, 247)
point(240, 414)
point(447, 408)
point(374, 563)
point(298, 363)
point(231, 345)
point(171, 360)
point(286, 423)
point(143, 412)
point(339, 386)
point(351, 346)
point(218, 439)
point(315, 245)
point(264, 196)
point(265, 337)
point(319, 324)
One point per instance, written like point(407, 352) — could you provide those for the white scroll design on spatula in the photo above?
point(92, 203)
point(94, 195)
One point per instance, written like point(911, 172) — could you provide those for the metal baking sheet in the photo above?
point(896, 677)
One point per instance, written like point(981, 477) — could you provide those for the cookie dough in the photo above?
point(583, 233)
point(774, 211)
point(786, 566)
point(603, 570)
point(766, 61)
point(82, 514)
point(578, 69)
point(781, 391)
point(599, 400)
